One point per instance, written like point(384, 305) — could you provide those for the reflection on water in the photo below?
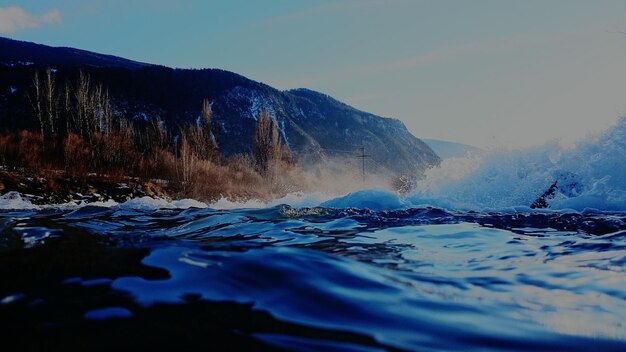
point(313, 279)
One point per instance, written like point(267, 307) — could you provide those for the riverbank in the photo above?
point(58, 187)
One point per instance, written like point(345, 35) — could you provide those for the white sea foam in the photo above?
point(589, 175)
point(148, 203)
point(301, 200)
point(225, 204)
point(14, 201)
point(296, 200)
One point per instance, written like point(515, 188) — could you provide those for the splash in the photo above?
point(147, 203)
point(294, 199)
point(14, 201)
point(589, 175)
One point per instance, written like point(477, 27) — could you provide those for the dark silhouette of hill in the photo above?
point(19, 51)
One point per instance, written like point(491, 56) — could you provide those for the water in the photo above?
point(312, 279)
point(587, 175)
point(460, 263)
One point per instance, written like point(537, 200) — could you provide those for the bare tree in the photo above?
point(155, 137)
point(187, 161)
point(267, 147)
point(84, 108)
point(37, 102)
point(200, 136)
point(107, 112)
point(206, 115)
point(51, 100)
point(262, 143)
point(276, 145)
point(69, 111)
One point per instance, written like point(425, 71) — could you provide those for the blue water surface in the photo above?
point(318, 278)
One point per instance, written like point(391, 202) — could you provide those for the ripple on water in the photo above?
point(419, 278)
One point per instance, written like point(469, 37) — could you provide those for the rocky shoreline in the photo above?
point(57, 187)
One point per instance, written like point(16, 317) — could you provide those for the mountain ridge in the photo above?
point(313, 124)
point(18, 50)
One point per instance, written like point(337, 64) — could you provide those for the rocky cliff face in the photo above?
point(312, 124)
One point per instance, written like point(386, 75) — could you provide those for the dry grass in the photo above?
point(114, 158)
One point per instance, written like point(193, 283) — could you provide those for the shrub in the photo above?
point(77, 155)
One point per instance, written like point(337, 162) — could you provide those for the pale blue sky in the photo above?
point(491, 73)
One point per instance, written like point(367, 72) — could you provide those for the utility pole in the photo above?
point(363, 156)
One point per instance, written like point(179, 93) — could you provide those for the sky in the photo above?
point(490, 73)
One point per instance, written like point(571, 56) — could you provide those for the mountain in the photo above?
point(15, 51)
point(446, 149)
point(313, 125)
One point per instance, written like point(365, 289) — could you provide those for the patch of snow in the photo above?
point(252, 101)
point(283, 133)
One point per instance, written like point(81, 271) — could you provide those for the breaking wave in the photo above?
point(588, 175)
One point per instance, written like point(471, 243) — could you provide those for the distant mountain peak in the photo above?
point(448, 149)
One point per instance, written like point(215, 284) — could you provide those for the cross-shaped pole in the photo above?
point(363, 156)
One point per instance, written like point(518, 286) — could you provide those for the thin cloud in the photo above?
point(14, 18)
point(434, 56)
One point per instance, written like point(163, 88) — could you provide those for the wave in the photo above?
point(295, 199)
point(372, 199)
point(588, 175)
point(16, 201)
